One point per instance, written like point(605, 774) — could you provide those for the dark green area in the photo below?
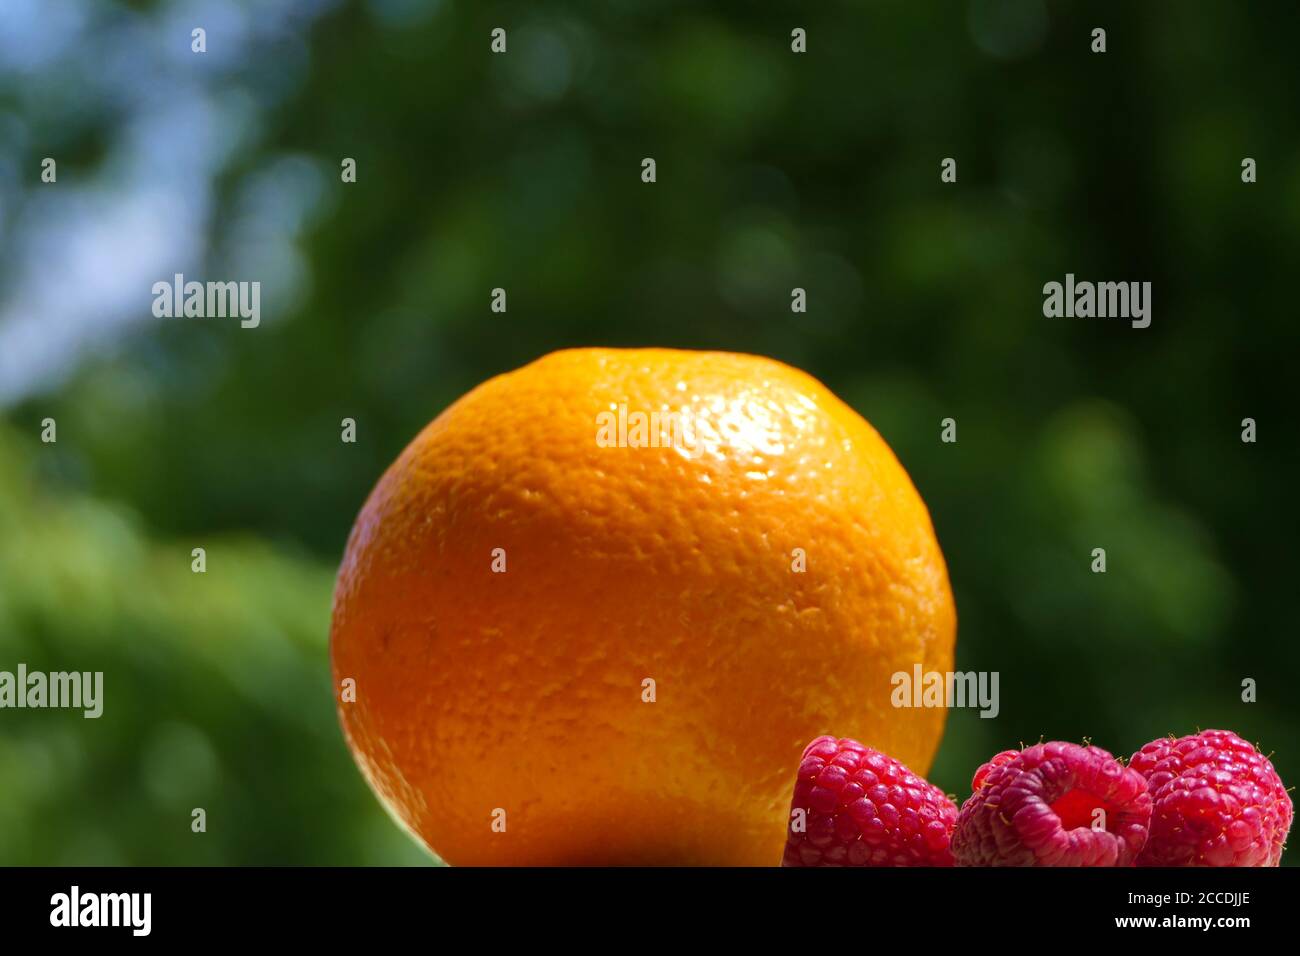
point(775, 170)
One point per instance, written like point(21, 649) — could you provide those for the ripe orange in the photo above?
point(528, 566)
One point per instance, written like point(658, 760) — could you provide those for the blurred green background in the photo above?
point(523, 171)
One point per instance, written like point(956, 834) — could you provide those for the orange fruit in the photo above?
point(578, 639)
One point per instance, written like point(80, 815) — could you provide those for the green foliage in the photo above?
point(217, 694)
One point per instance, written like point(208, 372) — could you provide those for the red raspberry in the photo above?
point(998, 760)
point(1217, 802)
point(1037, 807)
point(863, 808)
